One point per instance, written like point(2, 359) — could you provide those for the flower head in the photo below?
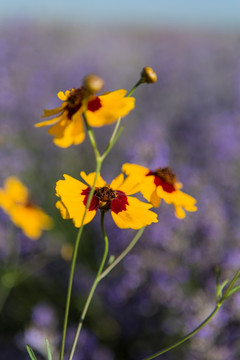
point(161, 184)
point(126, 211)
point(67, 125)
point(15, 201)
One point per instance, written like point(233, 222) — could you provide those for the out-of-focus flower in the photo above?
point(15, 201)
point(68, 127)
point(126, 211)
point(161, 184)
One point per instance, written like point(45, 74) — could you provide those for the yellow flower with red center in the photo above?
point(67, 126)
point(161, 184)
point(126, 210)
point(15, 201)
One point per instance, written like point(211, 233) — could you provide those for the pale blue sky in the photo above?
point(209, 13)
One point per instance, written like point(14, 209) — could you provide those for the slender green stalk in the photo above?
point(228, 292)
point(31, 353)
point(93, 288)
point(187, 337)
point(113, 141)
point(73, 263)
point(123, 254)
point(74, 257)
point(117, 133)
point(49, 354)
point(134, 87)
point(91, 137)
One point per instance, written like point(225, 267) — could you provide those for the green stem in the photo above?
point(123, 254)
point(115, 136)
point(70, 291)
point(134, 87)
point(93, 288)
point(91, 137)
point(117, 133)
point(188, 336)
point(226, 294)
point(74, 257)
point(230, 286)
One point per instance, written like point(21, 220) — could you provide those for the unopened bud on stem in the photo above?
point(93, 83)
point(148, 75)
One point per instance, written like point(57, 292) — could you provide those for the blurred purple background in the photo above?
point(188, 120)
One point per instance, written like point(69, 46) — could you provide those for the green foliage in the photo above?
point(31, 353)
point(48, 350)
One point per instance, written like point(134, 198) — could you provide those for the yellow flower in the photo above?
point(126, 211)
point(161, 184)
point(67, 126)
point(15, 201)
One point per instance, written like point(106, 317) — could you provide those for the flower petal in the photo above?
point(134, 169)
point(69, 187)
point(13, 193)
point(68, 132)
point(63, 210)
point(113, 106)
point(130, 185)
point(117, 182)
point(155, 199)
point(63, 96)
point(136, 215)
point(72, 201)
point(48, 122)
point(47, 113)
point(180, 200)
point(90, 178)
point(14, 190)
point(148, 187)
point(32, 220)
point(179, 212)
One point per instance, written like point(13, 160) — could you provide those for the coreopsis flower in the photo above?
point(126, 210)
point(67, 126)
point(161, 184)
point(15, 201)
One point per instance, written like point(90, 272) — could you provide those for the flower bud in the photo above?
point(93, 83)
point(148, 75)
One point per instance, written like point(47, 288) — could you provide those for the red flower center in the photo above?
point(74, 101)
point(95, 104)
point(165, 178)
point(105, 199)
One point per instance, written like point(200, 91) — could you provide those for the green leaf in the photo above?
point(234, 290)
point(220, 289)
point(31, 353)
point(48, 350)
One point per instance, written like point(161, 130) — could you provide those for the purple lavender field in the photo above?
point(189, 120)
